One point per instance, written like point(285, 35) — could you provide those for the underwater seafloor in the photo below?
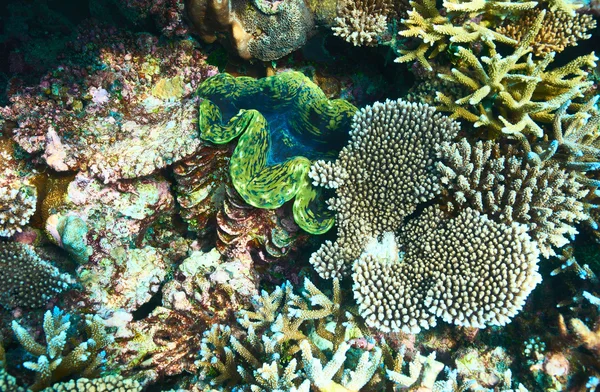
point(299, 195)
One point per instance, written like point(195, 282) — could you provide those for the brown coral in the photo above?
point(467, 270)
point(509, 188)
point(380, 177)
point(559, 30)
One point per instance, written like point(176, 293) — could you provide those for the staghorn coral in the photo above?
point(380, 177)
point(320, 332)
point(263, 30)
point(128, 115)
point(361, 22)
point(510, 95)
point(27, 280)
point(509, 188)
point(468, 270)
point(18, 196)
point(436, 31)
point(53, 362)
point(559, 30)
point(106, 383)
point(266, 167)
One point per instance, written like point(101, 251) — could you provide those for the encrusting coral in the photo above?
point(467, 270)
point(360, 22)
point(27, 280)
point(510, 188)
point(266, 168)
point(106, 383)
point(513, 95)
point(380, 177)
point(53, 362)
point(92, 119)
point(559, 30)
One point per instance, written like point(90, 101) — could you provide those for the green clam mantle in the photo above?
point(284, 123)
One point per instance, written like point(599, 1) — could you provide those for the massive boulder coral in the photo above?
point(468, 270)
point(263, 30)
point(27, 280)
point(380, 177)
point(103, 227)
point(127, 116)
point(510, 188)
point(269, 165)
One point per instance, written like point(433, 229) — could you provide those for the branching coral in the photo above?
point(285, 330)
point(361, 22)
point(18, 197)
point(53, 362)
point(266, 168)
point(437, 31)
point(26, 279)
point(509, 188)
point(512, 95)
point(559, 30)
point(205, 290)
point(380, 177)
point(468, 270)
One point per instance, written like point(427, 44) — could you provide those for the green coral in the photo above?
point(295, 117)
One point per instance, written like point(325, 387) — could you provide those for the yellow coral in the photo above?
point(514, 95)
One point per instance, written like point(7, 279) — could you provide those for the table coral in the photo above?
point(27, 280)
point(53, 361)
point(467, 270)
point(509, 188)
point(262, 30)
point(380, 177)
point(111, 118)
point(266, 167)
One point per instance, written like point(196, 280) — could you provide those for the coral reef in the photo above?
point(82, 119)
point(206, 290)
point(265, 167)
point(467, 270)
point(513, 95)
point(107, 383)
point(27, 280)
point(285, 329)
point(559, 30)
point(380, 177)
point(53, 362)
point(360, 22)
point(18, 196)
point(263, 30)
point(509, 188)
